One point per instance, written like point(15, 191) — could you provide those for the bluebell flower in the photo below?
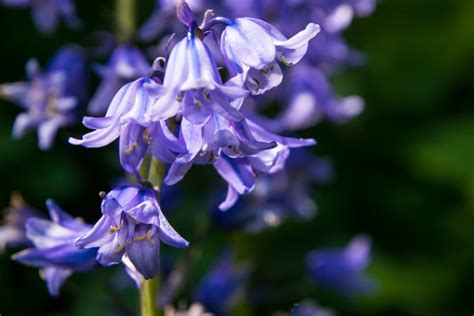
point(124, 118)
point(132, 224)
point(50, 97)
point(127, 63)
point(221, 285)
point(342, 269)
point(236, 149)
point(193, 86)
point(12, 230)
point(53, 247)
point(47, 13)
point(252, 47)
point(308, 308)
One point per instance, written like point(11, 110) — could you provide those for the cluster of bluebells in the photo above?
point(200, 104)
point(190, 93)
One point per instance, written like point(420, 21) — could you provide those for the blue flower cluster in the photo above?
point(201, 105)
point(211, 128)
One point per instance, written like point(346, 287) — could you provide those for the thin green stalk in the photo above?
point(152, 170)
point(148, 291)
point(155, 173)
point(125, 19)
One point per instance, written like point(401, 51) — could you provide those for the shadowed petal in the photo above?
point(145, 254)
point(238, 174)
point(132, 146)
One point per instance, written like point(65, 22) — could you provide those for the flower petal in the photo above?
point(230, 199)
point(132, 146)
point(237, 173)
point(98, 236)
point(145, 254)
point(249, 43)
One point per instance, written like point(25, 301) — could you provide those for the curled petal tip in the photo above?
point(74, 141)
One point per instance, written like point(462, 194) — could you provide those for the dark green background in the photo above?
point(404, 175)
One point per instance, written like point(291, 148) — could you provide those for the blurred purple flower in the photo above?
point(47, 13)
point(278, 196)
point(221, 285)
point(133, 224)
point(50, 97)
point(126, 63)
point(12, 230)
point(313, 100)
point(342, 269)
point(53, 247)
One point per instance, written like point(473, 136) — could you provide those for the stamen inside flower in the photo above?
point(146, 137)
point(119, 248)
point(130, 149)
point(283, 59)
point(206, 95)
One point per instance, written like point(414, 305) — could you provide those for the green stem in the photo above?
point(148, 297)
point(155, 173)
point(151, 170)
point(125, 19)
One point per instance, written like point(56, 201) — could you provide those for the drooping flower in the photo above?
point(194, 87)
point(308, 308)
point(237, 150)
point(252, 47)
point(53, 247)
point(50, 97)
point(132, 224)
point(124, 118)
point(12, 230)
point(126, 63)
point(221, 285)
point(47, 13)
point(342, 269)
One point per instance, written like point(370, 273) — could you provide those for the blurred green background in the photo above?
point(404, 174)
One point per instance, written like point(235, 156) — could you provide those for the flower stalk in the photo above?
point(148, 291)
point(149, 288)
point(125, 19)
